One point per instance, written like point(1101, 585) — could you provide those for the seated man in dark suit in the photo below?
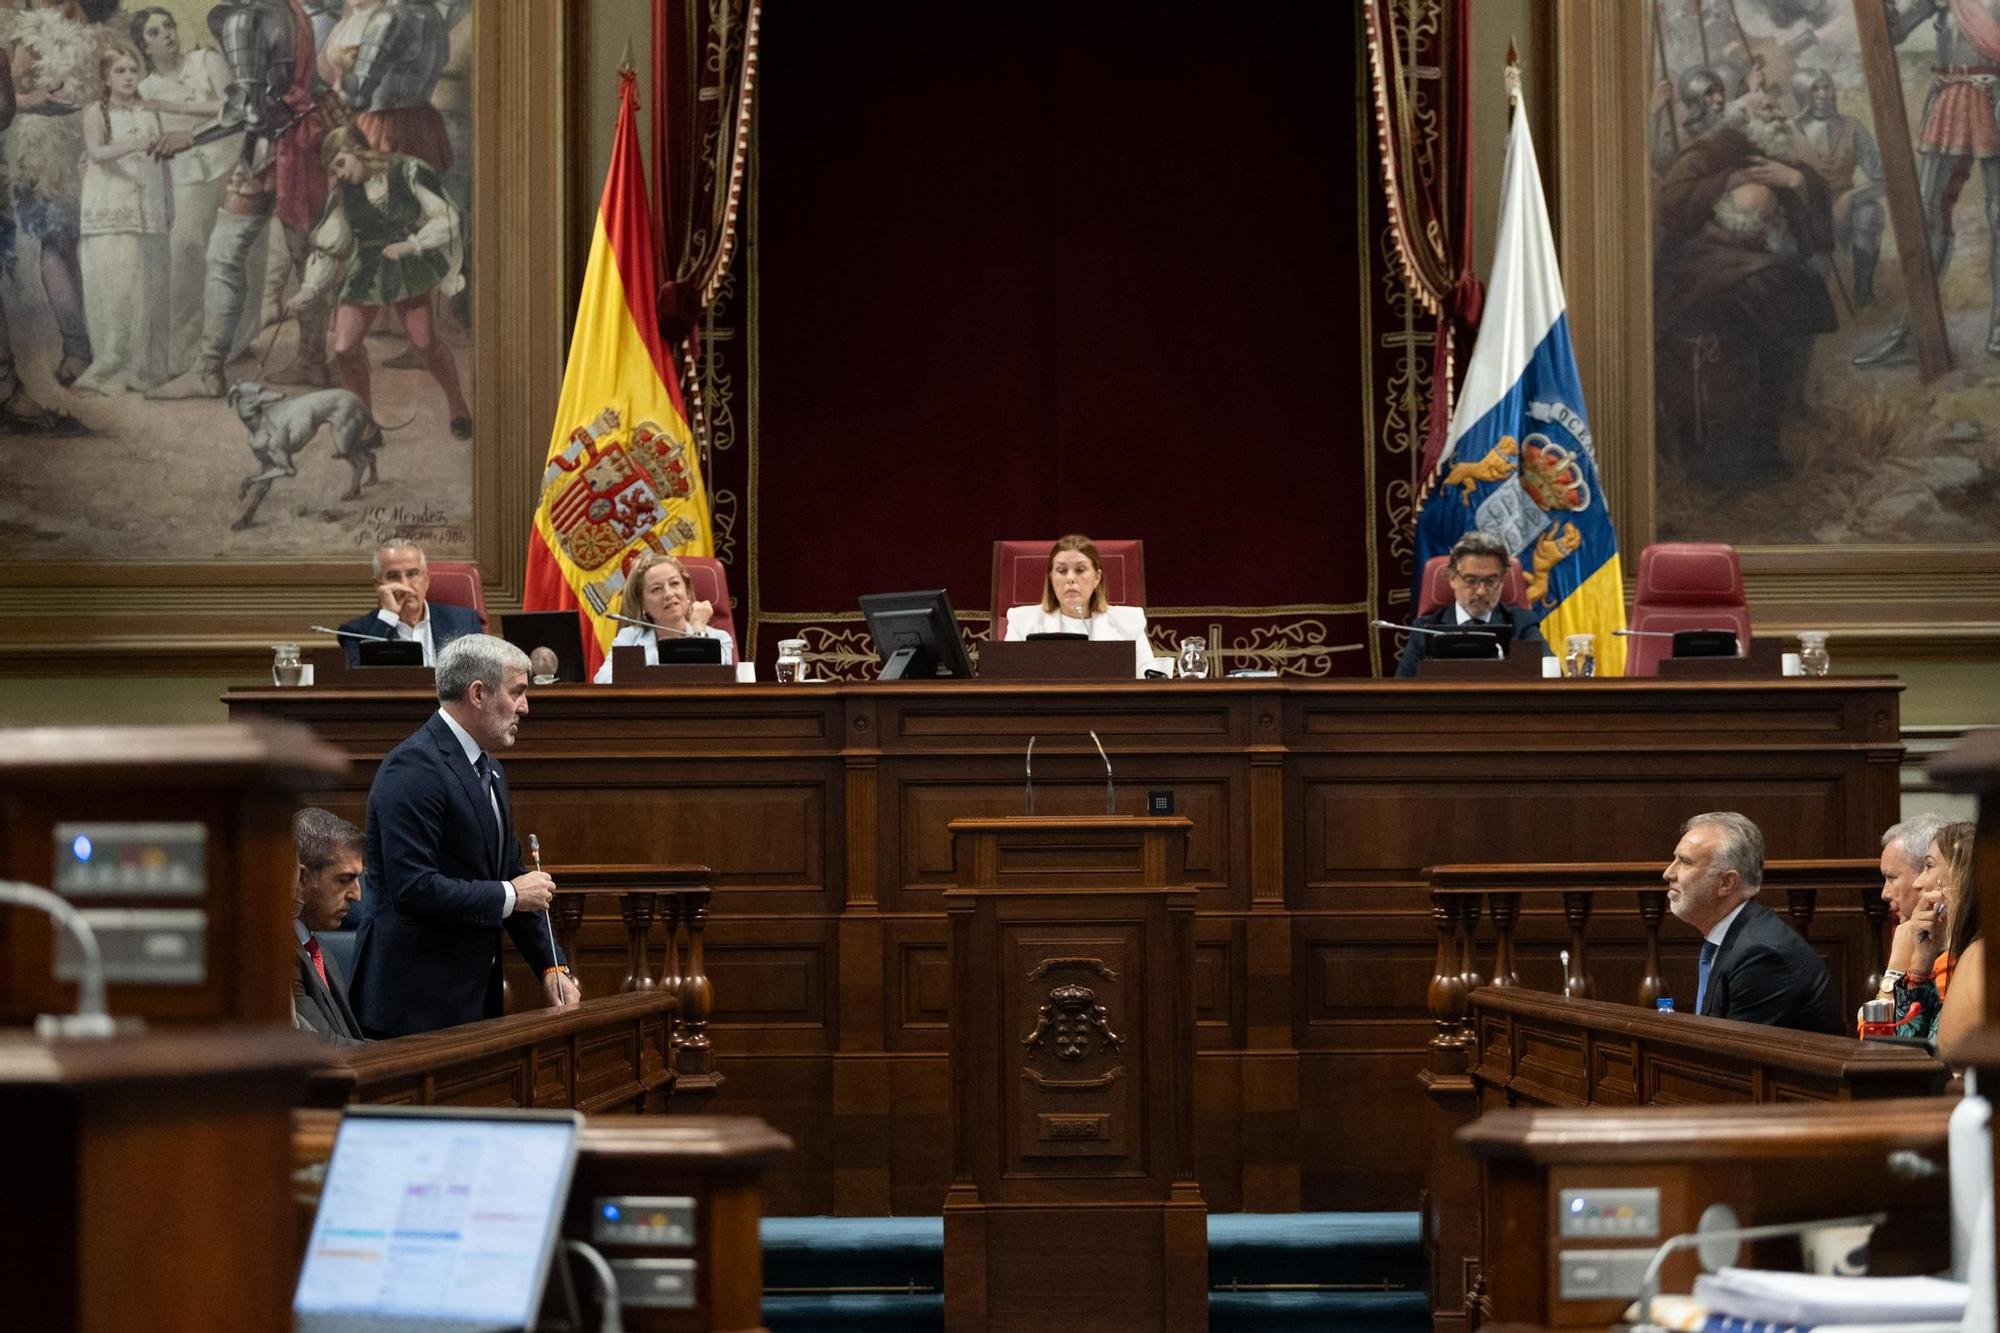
point(445, 876)
point(402, 580)
point(329, 852)
point(1478, 568)
point(1754, 967)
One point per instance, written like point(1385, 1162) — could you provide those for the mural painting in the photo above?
point(233, 250)
point(1791, 408)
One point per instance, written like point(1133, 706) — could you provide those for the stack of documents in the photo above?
point(1808, 1300)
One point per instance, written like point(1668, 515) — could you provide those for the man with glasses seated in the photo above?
point(1478, 567)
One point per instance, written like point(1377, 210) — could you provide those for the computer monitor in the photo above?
point(389, 652)
point(916, 635)
point(1482, 642)
point(437, 1218)
point(694, 650)
point(558, 631)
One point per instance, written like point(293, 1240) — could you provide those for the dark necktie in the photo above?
point(319, 961)
point(1709, 948)
point(483, 766)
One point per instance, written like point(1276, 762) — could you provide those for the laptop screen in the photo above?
point(438, 1215)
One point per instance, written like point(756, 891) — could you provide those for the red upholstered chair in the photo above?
point(1437, 584)
point(1685, 585)
point(457, 583)
point(1021, 568)
point(710, 583)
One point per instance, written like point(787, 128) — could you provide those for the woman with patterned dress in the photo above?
point(186, 88)
point(53, 57)
point(389, 224)
point(125, 208)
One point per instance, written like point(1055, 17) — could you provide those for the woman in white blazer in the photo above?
point(656, 591)
point(1073, 602)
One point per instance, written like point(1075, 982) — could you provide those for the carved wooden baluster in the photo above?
point(670, 913)
point(697, 997)
point(1506, 913)
point(1468, 942)
point(566, 914)
point(1576, 911)
point(1446, 997)
point(1800, 904)
point(1652, 911)
point(637, 909)
point(1876, 913)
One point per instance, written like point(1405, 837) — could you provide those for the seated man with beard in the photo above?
point(1738, 302)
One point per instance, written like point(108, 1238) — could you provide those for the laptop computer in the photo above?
point(437, 1220)
point(558, 631)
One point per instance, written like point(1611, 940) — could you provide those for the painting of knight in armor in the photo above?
point(215, 214)
point(1796, 401)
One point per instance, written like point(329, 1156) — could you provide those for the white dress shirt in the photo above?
point(644, 636)
point(418, 633)
point(473, 750)
point(1721, 929)
point(1113, 623)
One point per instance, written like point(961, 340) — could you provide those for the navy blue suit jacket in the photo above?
point(1765, 972)
point(427, 954)
point(448, 622)
point(1526, 630)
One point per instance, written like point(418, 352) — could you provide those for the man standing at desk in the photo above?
point(1478, 565)
point(1754, 968)
point(402, 587)
point(444, 865)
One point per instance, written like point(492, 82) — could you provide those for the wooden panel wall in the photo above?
point(822, 810)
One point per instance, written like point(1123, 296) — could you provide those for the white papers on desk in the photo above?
point(1813, 1300)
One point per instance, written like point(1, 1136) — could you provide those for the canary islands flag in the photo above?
point(621, 477)
point(1520, 462)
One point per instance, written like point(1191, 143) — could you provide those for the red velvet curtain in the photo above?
point(1016, 269)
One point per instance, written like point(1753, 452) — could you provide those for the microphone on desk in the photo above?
point(1498, 651)
point(345, 633)
point(1031, 775)
point(657, 629)
point(1110, 794)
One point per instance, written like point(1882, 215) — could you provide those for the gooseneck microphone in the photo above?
point(1110, 795)
point(657, 629)
point(344, 633)
point(1498, 651)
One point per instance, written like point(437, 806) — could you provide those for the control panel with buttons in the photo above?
point(1629, 1214)
point(655, 1284)
point(642, 1220)
point(109, 859)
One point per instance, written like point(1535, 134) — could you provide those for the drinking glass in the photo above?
point(1812, 652)
point(285, 667)
point(1579, 656)
point(791, 666)
point(1193, 657)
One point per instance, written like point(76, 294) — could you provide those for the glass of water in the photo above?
point(285, 666)
point(1580, 656)
point(1813, 660)
point(1193, 662)
point(791, 666)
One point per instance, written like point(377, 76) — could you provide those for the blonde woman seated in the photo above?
point(656, 591)
point(1937, 958)
point(1073, 602)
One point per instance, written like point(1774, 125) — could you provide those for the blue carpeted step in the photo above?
point(1318, 1312)
point(1341, 1249)
point(1375, 1254)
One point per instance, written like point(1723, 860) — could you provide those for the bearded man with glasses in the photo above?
point(1478, 568)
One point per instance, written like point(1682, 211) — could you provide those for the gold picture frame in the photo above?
point(1926, 601)
point(77, 618)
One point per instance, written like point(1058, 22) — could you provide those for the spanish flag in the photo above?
point(622, 477)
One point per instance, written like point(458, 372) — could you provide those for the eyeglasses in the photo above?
point(1480, 582)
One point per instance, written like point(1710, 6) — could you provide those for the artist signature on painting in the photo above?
point(431, 526)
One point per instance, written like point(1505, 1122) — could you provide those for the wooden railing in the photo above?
point(676, 896)
point(1462, 894)
point(611, 1053)
point(1533, 1048)
point(1777, 1163)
